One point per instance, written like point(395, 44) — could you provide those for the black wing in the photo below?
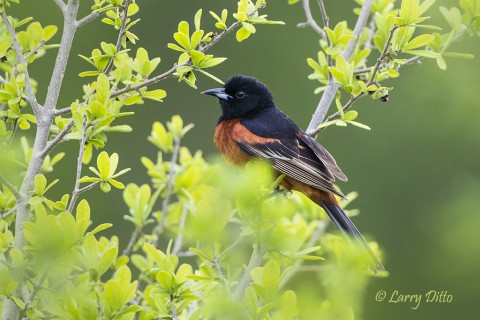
point(298, 160)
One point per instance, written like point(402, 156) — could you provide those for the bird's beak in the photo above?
point(219, 93)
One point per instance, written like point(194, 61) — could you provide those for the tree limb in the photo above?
point(61, 5)
point(332, 88)
point(255, 261)
point(310, 21)
point(44, 119)
point(69, 28)
point(179, 240)
point(88, 18)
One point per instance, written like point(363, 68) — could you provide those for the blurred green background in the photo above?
point(417, 171)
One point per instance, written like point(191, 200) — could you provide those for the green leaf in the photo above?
point(99, 228)
point(420, 41)
point(103, 165)
point(242, 34)
point(156, 95)
point(49, 32)
point(360, 125)
point(198, 18)
point(350, 115)
point(40, 183)
point(423, 53)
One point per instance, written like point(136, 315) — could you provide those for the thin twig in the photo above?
point(216, 264)
point(51, 144)
point(21, 59)
point(230, 247)
point(60, 4)
point(34, 51)
point(168, 191)
point(90, 186)
point(255, 261)
point(88, 18)
point(332, 88)
point(133, 239)
point(121, 33)
point(179, 240)
point(8, 213)
point(9, 185)
point(323, 12)
point(310, 21)
point(76, 188)
point(59, 112)
point(33, 294)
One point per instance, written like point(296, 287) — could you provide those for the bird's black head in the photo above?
point(242, 97)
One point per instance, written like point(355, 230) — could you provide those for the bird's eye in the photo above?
point(240, 94)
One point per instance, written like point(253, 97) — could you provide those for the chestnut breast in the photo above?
point(227, 135)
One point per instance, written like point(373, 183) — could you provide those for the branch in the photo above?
point(168, 193)
point(121, 33)
point(69, 28)
point(233, 245)
point(32, 52)
point(76, 189)
point(179, 239)
point(310, 21)
point(32, 99)
point(51, 144)
point(255, 261)
point(88, 18)
point(59, 112)
point(131, 242)
point(8, 213)
point(10, 186)
point(216, 264)
point(90, 186)
point(61, 5)
point(323, 12)
point(332, 88)
point(36, 288)
point(357, 31)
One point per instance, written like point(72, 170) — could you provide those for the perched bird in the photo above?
point(251, 126)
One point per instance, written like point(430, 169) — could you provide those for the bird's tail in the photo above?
point(346, 226)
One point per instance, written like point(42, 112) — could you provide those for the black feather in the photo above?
point(346, 226)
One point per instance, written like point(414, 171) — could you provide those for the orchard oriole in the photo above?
point(251, 126)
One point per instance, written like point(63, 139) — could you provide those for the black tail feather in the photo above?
point(346, 226)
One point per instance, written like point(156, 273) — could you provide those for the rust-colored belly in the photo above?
point(226, 143)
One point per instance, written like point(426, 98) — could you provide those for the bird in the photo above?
point(252, 127)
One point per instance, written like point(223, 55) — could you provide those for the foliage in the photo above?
point(399, 37)
point(201, 247)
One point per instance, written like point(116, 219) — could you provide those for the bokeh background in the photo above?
point(417, 171)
